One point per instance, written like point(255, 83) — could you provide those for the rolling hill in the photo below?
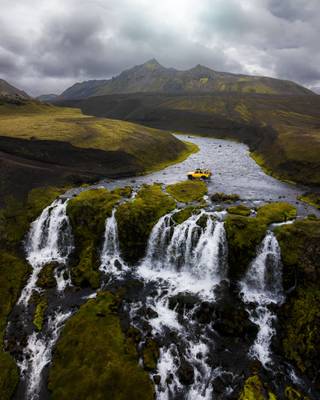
point(152, 77)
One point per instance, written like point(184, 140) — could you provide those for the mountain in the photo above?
point(7, 90)
point(47, 98)
point(152, 77)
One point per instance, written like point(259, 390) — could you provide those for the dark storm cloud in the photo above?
point(47, 46)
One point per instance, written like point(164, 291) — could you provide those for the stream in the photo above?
point(184, 298)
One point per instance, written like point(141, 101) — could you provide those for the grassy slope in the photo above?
point(44, 122)
point(283, 131)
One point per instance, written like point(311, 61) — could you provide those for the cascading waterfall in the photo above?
point(38, 352)
point(110, 260)
point(49, 240)
point(260, 288)
point(184, 259)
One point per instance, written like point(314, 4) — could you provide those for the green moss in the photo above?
point(300, 250)
point(88, 212)
point(300, 320)
point(137, 218)
point(244, 234)
point(13, 272)
point(184, 214)
point(93, 352)
point(239, 210)
point(277, 212)
point(123, 192)
point(187, 191)
point(46, 279)
point(311, 198)
point(150, 355)
point(220, 197)
point(39, 313)
point(254, 390)
point(293, 394)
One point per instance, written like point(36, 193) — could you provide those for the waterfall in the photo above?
point(184, 259)
point(110, 259)
point(49, 240)
point(260, 288)
point(38, 351)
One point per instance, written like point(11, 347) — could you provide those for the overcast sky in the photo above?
point(46, 46)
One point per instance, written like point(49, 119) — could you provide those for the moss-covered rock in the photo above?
point(187, 191)
point(293, 394)
point(254, 389)
point(184, 214)
point(87, 213)
point(300, 250)
point(150, 355)
point(239, 210)
point(244, 234)
point(312, 198)
point(136, 219)
point(93, 352)
point(39, 313)
point(46, 279)
point(300, 327)
point(123, 192)
point(221, 197)
point(277, 212)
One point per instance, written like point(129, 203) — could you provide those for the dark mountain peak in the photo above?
point(152, 64)
point(7, 90)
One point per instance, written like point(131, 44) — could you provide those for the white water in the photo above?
point(110, 259)
point(183, 259)
point(261, 287)
point(49, 240)
point(38, 351)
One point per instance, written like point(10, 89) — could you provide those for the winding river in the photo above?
point(234, 171)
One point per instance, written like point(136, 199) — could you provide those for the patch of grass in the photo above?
point(184, 214)
point(254, 389)
point(239, 210)
point(46, 279)
point(94, 352)
point(153, 148)
point(311, 198)
point(244, 234)
point(137, 218)
point(220, 197)
point(277, 212)
point(88, 212)
point(41, 306)
point(187, 191)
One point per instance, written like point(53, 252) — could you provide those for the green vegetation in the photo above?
point(301, 331)
point(152, 148)
point(46, 279)
point(123, 192)
point(187, 191)
point(254, 389)
point(300, 250)
point(184, 214)
point(220, 197)
point(293, 394)
point(277, 212)
point(311, 198)
point(239, 210)
point(93, 352)
point(41, 306)
point(244, 234)
point(137, 218)
point(88, 212)
point(150, 355)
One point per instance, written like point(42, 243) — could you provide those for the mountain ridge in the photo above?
point(9, 91)
point(151, 77)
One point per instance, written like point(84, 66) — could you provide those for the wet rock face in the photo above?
point(186, 373)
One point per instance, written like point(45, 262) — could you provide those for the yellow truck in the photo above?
point(199, 173)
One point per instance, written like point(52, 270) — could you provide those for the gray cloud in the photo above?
point(47, 46)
